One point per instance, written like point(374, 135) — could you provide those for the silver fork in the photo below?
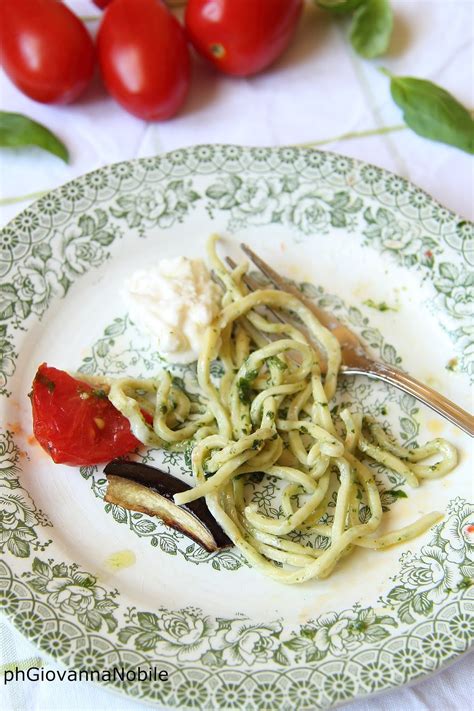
point(355, 360)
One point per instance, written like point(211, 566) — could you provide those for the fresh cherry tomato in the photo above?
point(241, 37)
point(144, 58)
point(76, 423)
point(45, 50)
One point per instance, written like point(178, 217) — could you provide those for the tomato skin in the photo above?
point(75, 423)
point(241, 37)
point(144, 58)
point(45, 50)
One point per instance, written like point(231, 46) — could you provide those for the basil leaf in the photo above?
point(19, 130)
point(371, 29)
point(340, 6)
point(433, 112)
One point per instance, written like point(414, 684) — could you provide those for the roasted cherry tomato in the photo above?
point(144, 58)
point(76, 423)
point(241, 37)
point(45, 50)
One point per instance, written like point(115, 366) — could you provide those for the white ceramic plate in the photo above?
point(96, 586)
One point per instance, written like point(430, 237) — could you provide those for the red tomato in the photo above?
point(144, 58)
point(76, 423)
point(241, 37)
point(45, 50)
point(101, 3)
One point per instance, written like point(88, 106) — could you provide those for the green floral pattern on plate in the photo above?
point(304, 190)
point(19, 517)
point(421, 620)
point(122, 349)
point(255, 665)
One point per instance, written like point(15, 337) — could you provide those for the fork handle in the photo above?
point(434, 400)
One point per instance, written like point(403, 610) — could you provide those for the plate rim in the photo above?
point(242, 149)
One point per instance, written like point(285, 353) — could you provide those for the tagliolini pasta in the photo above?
point(269, 413)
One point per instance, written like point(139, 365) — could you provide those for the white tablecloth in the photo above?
point(317, 93)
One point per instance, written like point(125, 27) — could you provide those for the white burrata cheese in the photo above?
point(174, 302)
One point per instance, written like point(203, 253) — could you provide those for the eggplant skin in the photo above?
point(166, 485)
point(136, 496)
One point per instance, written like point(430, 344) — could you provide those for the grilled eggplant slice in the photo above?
point(139, 487)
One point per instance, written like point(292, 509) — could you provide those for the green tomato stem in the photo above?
point(350, 135)
point(22, 198)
